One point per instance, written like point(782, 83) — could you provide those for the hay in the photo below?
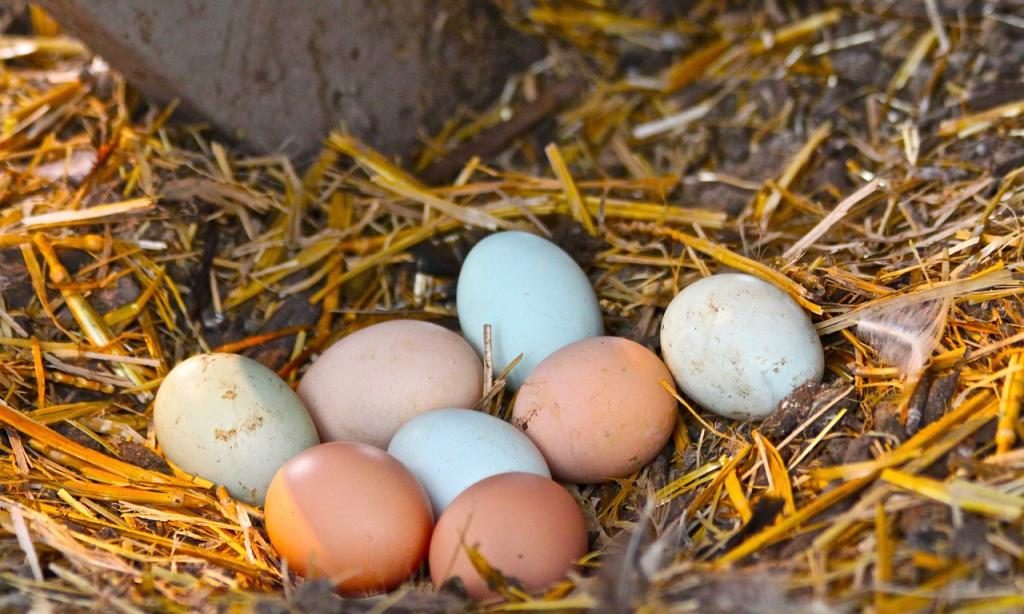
point(866, 159)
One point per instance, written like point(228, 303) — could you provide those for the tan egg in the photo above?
point(525, 525)
point(596, 409)
point(370, 383)
point(351, 513)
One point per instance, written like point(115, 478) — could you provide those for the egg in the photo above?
point(738, 345)
point(597, 409)
point(351, 513)
point(533, 295)
point(523, 524)
point(230, 420)
point(370, 383)
point(449, 450)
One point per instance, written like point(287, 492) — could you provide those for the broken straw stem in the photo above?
point(91, 323)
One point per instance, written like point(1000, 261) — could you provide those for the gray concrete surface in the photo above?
point(278, 74)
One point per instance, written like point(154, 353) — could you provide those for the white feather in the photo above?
point(906, 334)
point(952, 289)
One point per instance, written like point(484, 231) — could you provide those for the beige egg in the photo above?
point(370, 383)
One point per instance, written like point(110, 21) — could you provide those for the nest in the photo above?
point(864, 157)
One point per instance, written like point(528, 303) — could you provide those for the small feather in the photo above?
point(1003, 278)
point(906, 334)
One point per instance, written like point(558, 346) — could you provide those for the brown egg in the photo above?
point(370, 383)
point(525, 525)
point(351, 513)
point(596, 409)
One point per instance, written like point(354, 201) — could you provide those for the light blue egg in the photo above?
point(533, 295)
point(449, 450)
point(739, 345)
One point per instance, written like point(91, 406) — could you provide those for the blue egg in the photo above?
point(533, 295)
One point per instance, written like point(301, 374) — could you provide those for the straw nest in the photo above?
point(865, 157)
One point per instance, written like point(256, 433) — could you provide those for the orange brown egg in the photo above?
point(597, 409)
point(350, 513)
point(525, 525)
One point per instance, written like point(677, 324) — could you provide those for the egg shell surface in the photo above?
point(534, 296)
point(525, 525)
point(449, 450)
point(596, 409)
point(738, 345)
point(230, 420)
point(351, 513)
point(367, 385)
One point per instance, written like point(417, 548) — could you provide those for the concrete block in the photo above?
point(279, 74)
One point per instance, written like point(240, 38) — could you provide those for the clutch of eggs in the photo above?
point(589, 408)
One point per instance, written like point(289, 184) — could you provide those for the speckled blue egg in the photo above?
point(535, 297)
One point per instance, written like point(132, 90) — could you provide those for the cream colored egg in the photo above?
point(370, 383)
point(230, 420)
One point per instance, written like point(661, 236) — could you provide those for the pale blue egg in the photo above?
point(449, 450)
point(535, 297)
point(738, 345)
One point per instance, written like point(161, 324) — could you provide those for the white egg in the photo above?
point(232, 421)
point(449, 450)
point(738, 345)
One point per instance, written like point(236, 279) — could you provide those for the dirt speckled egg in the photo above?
point(229, 419)
point(351, 513)
point(370, 383)
point(597, 409)
point(738, 345)
point(449, 450)
point(534, 296)
point(525, 525)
